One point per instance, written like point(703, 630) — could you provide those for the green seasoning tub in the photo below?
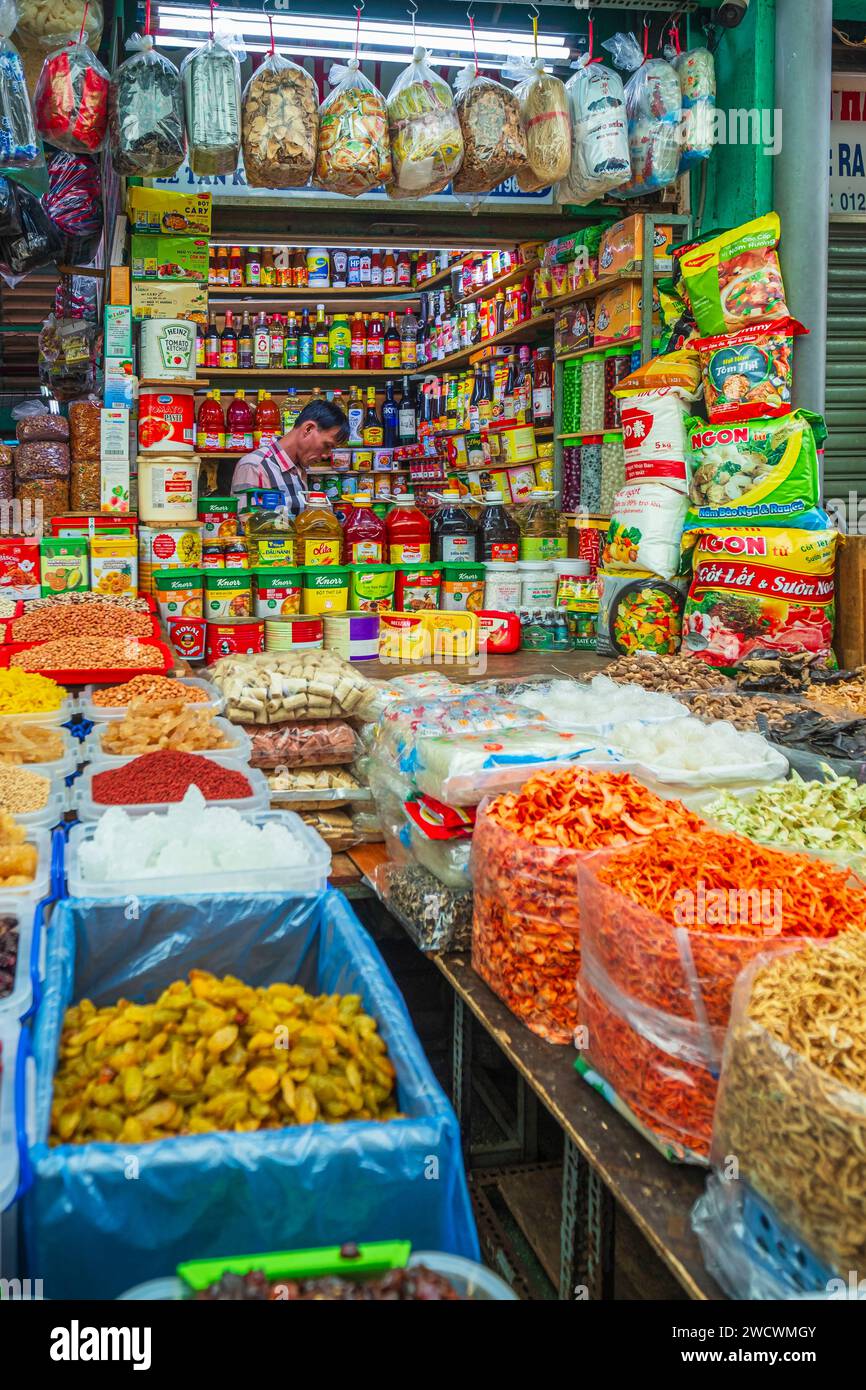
point(326, 589)
point(219, 517)
point(462, 587)
point(372, 588)
point(418, 588)
point(179, 593)
point(277, 592)
point(227, 594)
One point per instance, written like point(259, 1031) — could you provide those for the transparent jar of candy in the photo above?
point(612, 470)
point(592, 393)
point(590, 474)
point(571, 396)
point(571, 478)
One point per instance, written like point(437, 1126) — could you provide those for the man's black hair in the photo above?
point(327, 415)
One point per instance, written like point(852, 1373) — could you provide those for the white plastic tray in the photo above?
point(58, 799)
point(16, 1003)
point(82, 801)
point(99, 713)
point(47, 716)
point(238, 751)
point(73, 754)
point(310, 877)
point(10, 898)
point(10, 1037)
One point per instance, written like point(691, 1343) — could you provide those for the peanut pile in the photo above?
point(94, 620)
point(88, 653)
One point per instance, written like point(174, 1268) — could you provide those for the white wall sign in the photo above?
point(848, 145)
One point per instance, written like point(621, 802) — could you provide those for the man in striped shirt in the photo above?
point(282, 466)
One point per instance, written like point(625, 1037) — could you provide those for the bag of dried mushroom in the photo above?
point(493, 145)
point(280, 125)
point(354, 146)
point(146, 130)
point(426, 139)
point(546, 117)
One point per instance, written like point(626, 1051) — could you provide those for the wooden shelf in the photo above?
point(525, 332)
point(597, 287)
point(510, 277)
point(321, 374)
point(591, 434)
point(162, 383)
point(286, 294)
point(440, 277)
point(605, 347)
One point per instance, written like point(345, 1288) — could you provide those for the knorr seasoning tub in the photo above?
point(277, 592)
point(372, 588)
point(227, 593)
point(417, 588)
point(462, 587)
point(326, 589)
point(179, 593)
point(218, 516)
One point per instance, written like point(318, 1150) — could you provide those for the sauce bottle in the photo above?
point(376, 343)
point(499, 533)
point(392, 344)
point(239, 423)
point(210, 427)
point(305, 341)
point(373, 431)
point(339, 343)
point(343, 506)
point(245, 343)
point(253, 266)
point(356, 416)
point(268, 269)
point(542, 388)
point(543, 533)
point(389, 268)
point(229, 343)
point(321, 343)
point(358, 350)
point(408, 532)
point(318, 533)
point(365, 535)
point(453, 533)
point(236, 268)
point(290, 342)
point(267, 426)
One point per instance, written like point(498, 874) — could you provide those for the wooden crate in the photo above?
point(850, 639)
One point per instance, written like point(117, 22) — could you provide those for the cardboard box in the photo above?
point(622, 247)
point(849, 641)
point(114, 563)
point(574, 326)
point(63, 565)
point(618, 314)
point(169, 301)
point(176, 214)
point(118, 285)
point(169, 258)
point(114, 453)
point(121, 384)
point(118, 331)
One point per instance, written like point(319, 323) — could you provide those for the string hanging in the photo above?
point(147, 17)
point(358, 9)
point(646, 31)
point(674, 32)
point(84, 21)
point(213, 5)
point(412, 11)
point(471, 18)
point(534, 18)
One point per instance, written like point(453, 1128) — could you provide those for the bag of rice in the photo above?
point(646, 528)
point(757, 471)
point(654, 434)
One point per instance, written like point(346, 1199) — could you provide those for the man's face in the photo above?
point(315, 444)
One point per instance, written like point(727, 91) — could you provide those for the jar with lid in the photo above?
point(621, 369)
point(590, 473)
point(537, 584)
point(612, 471)
point(502, 587)
point(542, 387)
point(571, 394)
point(592, 393)
point(611, 357)
point(571, 477)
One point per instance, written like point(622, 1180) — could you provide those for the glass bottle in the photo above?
point(277, 342)
point(409, 340)
point(373, 430)
point(290, 344)
point(245, 343)
point(212, 344)
point(390, 417)
point(236, 268)
point(229, 343)
point(376, 269)
point(253, 266)
point(542, 387)
point(358, 350)
point(262, 342)
point(365, 267)
point(222, 265)
point(320, 338)
point(305, 341)
point(375, 343)
point(407, 414)
point(404, 268)
point(282, 266)
point(339, 266)
point(389, 268)
point(392, 344)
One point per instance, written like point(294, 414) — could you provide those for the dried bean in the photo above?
point(8, 954)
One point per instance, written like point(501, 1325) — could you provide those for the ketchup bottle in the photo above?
point(267, 426)
point(365, 537)
point(408, 532)
point(210, 427)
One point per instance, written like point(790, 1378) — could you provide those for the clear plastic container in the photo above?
point(99, 713)
point(612, 471)
point(310, 877)
point(11, 898)
point(73, 753)
point(47, 716)
point(238, 751)
point(58, 798)
point(89, 810)
point(590, 475)
point(18, 1001)
point(592, 393)
point(10, 1041)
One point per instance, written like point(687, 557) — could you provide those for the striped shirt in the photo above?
point(270, 467)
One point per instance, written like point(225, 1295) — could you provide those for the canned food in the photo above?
point(187, 636)
point(234, 637)
point(362, 460)
point(291, 634)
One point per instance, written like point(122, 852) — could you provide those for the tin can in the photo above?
point(167, 547)
point(213, 557)
point(236, 555)
point(362, 460)
point(187, 636)
point(234, 637)
point(291, 634)
point(353, 636)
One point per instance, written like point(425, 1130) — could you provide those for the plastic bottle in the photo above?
point(358, 350)
point(268, 423)
point(291, 409)
point(239, 423)
point(210, 427)
point(376, 342)
point(339, 343)
point(543, 533)
point(365, 535)
point(321, 342)
point(318, 533)
point(408, 532)
point(453, 533)
point(356, 416)
point(229, 343)
point(498, 532)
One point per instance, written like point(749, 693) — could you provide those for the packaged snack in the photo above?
point(437, 918)
point(735, 279)
point(145, 113)
point(760, 591)
point(645, 529)
point(493, 145)
point(157, 210)
point(211, 77)
point(747, 375)
point(599, 150)
point(680, 369)
point(621, 246)
point(653, 103)
point(546, 118)
point(38, 429)
point(280, 125)
point(50, 22)
point(426, 139)
point(71, 101)
point(19, 145)
point(41, 459)
point(324, 742)
point(761, 471)
point(654, 435)
point(74, 205)
point(354, 145)
point(696, 70)
point(273, 689)
point(639, 613)
point(84, 426)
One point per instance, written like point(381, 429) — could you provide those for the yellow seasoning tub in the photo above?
point(372, 588)
point(452, 635)
point(179, 593)
point(227, 594)
point(277, 592)
point(325, 589)
point(403, 637)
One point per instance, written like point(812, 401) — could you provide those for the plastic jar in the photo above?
point(168, 488)
point(571, 394)
point(569, 575)
point(318, 268)
point(502, 586)
point(571, 478)
point(612, 471)
point(277, 592)
point(227, 594)
point(621, 369)
point(610, 359)
point(592, 393)
point(179, 593)
point(590, 473)
point(537, 584)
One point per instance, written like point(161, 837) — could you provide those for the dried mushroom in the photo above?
point(493, 144)
point(280, 125)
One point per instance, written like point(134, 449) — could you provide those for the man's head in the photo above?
point(320, 427)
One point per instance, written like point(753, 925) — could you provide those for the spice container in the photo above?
point(537, 584)
point(276, 592)
point(571, 477)
point(592, 393)
point(218, 517)
point(571, 576)
point(462, 588)
point(417, 588)
point(179, 593)
point(612, 471)
point(227, 594)
point(502, 587)
point(325, 590)
point(590, 474)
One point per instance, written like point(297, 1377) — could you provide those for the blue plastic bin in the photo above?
point(100, 1218)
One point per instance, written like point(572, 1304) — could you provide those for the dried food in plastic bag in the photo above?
point(654, 106)
point(49, 22)
point(145, 112)
point(354, 144)
point(50, 494)
point(696, 70)
point(599, 125)
point(765, 472)
point(322, 743)
point(493, 145)
point(211, 77)
point(35, 247)
point(41, 460)
point(437, 918)
point(280, 125)
point(85, 493)
point(7, 481)
point(74, 205)
point(9, 220)
point(32, 429)
point(71, 102)
point(84, 429)
point(272, 689)
point(546, 117)
point(426, 139)
point(19, 143)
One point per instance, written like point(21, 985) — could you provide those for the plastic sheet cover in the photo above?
point(224, 1193)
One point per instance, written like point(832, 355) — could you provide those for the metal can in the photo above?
point(236, 555)
point(234, 637)
point(213, 557)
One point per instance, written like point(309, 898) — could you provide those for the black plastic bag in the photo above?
point(36, 246)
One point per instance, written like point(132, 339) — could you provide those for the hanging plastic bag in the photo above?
point(494, 147)
point(653, 103)
point(354, 144)
point(73, 203)
point(9, 221)
point(71, 102)
point(35, 247)
point(19, 144)
point(280, 125)
point(696, 72)
point(546, 120)
point(211, 77)
point(599, 151)
point(145, 113)
point(51, 22)
point(426, 139)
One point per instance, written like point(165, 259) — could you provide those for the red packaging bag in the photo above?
point(71, 102)
point(747, 374)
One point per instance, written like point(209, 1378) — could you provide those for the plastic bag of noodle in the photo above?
point(654, 106)
point(211, 77)
point(696, 70)
point(599, 151)
point(493, 145)
point(546, 119)
point(354, 144)
point(426, 138)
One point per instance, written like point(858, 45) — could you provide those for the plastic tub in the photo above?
point(100, 713)
point(73, 753)
point(311, 877)
point(89, 810)
point(162, 661)
point(62, 715)
point(10, 1042)
point(239, 750)
point(18, 1001)
point(41, 885)
point(58, 798)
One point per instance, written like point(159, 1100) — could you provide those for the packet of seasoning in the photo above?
point(145, 113)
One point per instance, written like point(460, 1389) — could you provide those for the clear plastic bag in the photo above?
point(354, 145)
point(34, 428)
point(437, 918)
point(74, 205)
point(696, 70)
point(426, 139)
point(84, 429)
point(145, 113)
point(599, 151)
point(654, 106)
point(19, 144)
point(461, 769)
point(211, 77)
point(324, 743)
point(41, 460)
point(493, 144)
point(35, 246)
point(49, 22)
point(404, 722)
point(307, 685)
point(280, 125)
point(71, 102)
point(546, 117)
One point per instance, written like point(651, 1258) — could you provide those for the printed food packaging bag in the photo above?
point(735, 279)
point(762, 471)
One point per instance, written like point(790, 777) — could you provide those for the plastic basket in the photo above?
point(98, 714)
point(62, 766)
point(238, 751)
point(310, 877)
point(30, 965)
point(10, 1041)
point(164, 661)
point(774, 1245)
point(89, 810)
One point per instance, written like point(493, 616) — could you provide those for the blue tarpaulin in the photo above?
point(102, 1217)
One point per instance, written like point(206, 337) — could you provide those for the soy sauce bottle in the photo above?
point(453, 533)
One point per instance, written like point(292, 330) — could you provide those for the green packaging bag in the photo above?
point(762, 472)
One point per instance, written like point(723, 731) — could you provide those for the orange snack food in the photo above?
point(151, 689)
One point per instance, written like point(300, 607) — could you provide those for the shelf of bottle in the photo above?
point(304, 373)
point(585, 351)
point(525, 332)
point(511, 277)
point(286, 294)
